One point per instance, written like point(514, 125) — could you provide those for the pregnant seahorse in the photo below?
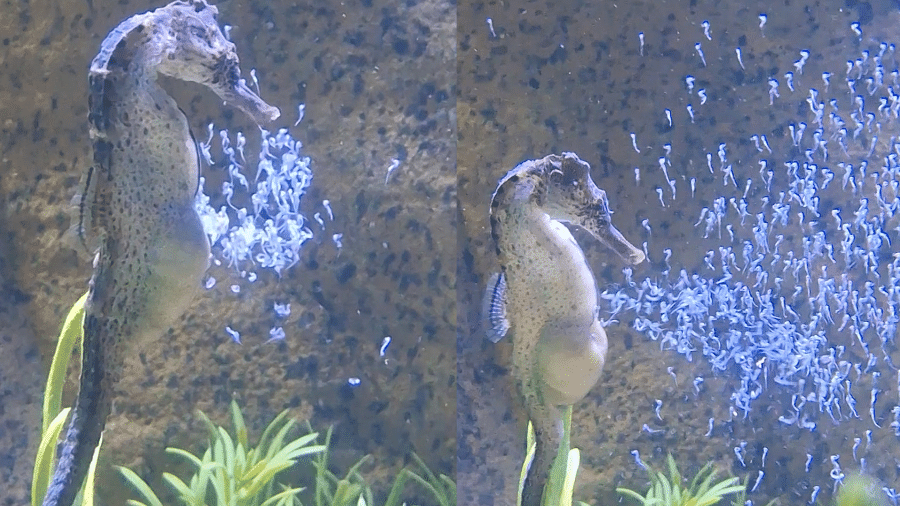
point(547, 295)
point(139, 202)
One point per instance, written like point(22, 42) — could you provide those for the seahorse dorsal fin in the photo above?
point(493, 308)
point(100, 62)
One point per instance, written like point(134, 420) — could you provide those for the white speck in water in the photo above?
point(235, 335)
point(391, 168)
point(282, 310)
point(301, 109)
point(276, 334)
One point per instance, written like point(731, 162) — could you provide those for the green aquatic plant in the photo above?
point(54, 418)
point(561, 484)
point(242, 476)
point(352, 490)
point(237, 473)
point(669, 491)
point(860, 490)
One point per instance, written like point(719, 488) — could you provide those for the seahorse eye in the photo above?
point(200, 34)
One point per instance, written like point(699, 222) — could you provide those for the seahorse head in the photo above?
point(561, 186)
point(190, 45)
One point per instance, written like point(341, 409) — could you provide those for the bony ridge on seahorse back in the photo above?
point(547, 295)
point(138, 204)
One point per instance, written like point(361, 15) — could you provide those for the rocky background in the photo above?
point(551, 76)
point(378, 81)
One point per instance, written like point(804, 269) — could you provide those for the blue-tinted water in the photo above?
point(760, 334)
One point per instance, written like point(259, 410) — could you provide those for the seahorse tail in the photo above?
point(548, 438)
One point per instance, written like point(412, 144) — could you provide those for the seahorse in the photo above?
point(546, 294)
point(138, 205)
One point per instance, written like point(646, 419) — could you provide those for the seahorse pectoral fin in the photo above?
point(493, 308)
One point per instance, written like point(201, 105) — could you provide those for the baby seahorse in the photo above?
point(547, 295)
point(152, 250)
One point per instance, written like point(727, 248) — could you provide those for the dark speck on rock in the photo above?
point(672, 54)
point(354, 38)
point(425, 91)
point(402, 153)
point(401, 46)
point(387, 22)
point(345, 273)
point(346, 392)
point(534, 83)
point(865, 12)
point(551, 124)
point(587, 75)
point(559, 56)
point(391, 213)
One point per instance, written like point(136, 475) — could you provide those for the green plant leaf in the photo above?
point(669, 491)
point(187, 495)
point(190, 457)
point(277, 442)
point(211, 428)
point(393, 498)
point(571, 471)
point(88, 498)
point(268, 433)
point(140, 486)
point(70, 335)
point(287, 494)
point(43, 462)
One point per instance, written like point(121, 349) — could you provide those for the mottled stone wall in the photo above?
point(378, 81)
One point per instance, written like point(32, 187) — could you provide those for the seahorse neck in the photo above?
point(543, 261)
point(143, 126)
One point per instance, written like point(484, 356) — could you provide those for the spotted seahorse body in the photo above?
point(138, 207)
point(547, 295)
